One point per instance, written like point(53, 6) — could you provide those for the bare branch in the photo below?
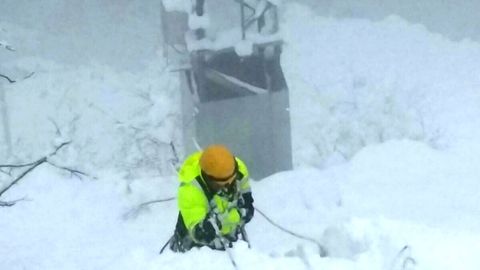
point(58, 132)
point(11, 203)
point(9, 173)
point(36, 164)
point(17, 165)
point(58, 148)
point(29, 75)
point(7, 78)
point(175, 159)
point(409, 260)
point(6, 46)
point(33, 163)
point(6, 204)
point(403, 259)
point(156, 201)
point(10, 80)
point(74, 172)
point(134, 212)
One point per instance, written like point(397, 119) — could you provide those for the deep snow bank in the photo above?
point(75, 224)
point(354, 82)
point(120, 120)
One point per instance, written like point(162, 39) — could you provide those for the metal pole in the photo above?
point(223, 241)
point(245, 236)
point(163, 14)
point(227, 249)
point(242, 19)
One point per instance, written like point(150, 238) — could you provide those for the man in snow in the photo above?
point(214, 199)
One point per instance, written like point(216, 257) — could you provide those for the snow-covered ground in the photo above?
point(386, 139)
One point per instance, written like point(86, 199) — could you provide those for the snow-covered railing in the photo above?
point(243, 38)
point(229, 40)
point(259, 9)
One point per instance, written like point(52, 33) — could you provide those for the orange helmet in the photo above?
point(218, 163)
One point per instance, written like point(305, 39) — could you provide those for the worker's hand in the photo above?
point(205, 231)
point(245, 206)
point(245, 215)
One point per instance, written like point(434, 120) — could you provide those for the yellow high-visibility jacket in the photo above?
point(194, 204)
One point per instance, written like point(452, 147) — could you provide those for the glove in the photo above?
point(245, 207)
point(205, 231)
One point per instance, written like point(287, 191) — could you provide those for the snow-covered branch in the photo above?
point(11, 203)
point(7, 78)
point(139, 208)
point(73, 172)
point(6, 204)
point(10, 80)
point(35, 164)
point(32, 165)
point(58, 148)
point(7, 46)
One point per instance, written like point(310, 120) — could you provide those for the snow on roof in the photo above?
point(177, 5)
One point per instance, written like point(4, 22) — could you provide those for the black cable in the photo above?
point(322, 249)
